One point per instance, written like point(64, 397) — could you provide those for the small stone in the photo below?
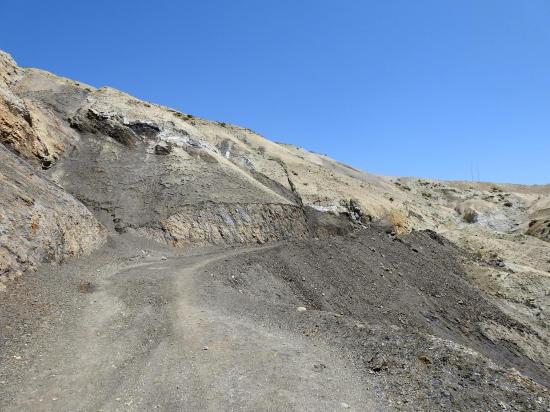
point(163, 148)
point(319, 367)
point(12, 275)
point(425, 360)
point(300, 309)
point(28, 200)
point(85, 286)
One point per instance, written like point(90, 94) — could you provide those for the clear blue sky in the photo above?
point(428, 88)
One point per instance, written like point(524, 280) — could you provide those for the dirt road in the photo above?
point(151, 335)
point(362, 322)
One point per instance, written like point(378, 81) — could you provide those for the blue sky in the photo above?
point(433, 88)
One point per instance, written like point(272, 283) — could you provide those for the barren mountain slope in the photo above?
point(118, 123)
point(80, 166)
point(172, 177)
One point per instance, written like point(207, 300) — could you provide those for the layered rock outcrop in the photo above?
point(39, 221)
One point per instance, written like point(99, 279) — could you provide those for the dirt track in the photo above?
point(145, 339)
point(218, 329)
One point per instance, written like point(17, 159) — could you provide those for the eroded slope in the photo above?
point(404, 311)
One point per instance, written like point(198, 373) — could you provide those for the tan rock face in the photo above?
point(9, 71)
point(38, 221)
point(16, 124)
point(539, 218)
point(540, 226)
point(17, 133)
point(28, 128)
point(234, 223)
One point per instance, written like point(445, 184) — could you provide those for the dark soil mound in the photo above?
point(402, 308)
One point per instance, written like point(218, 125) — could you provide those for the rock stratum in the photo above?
point(421, 294)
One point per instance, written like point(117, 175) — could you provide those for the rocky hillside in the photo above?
point(147, 169)
point(80, 166)
point(39, 221)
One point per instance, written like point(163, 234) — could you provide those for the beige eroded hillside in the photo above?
point(234, 165)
